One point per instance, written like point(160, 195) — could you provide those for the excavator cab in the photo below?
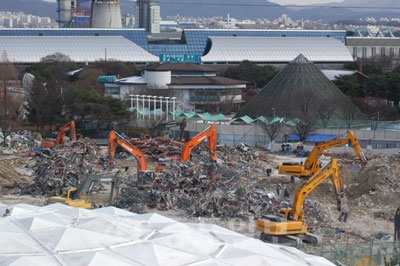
point(147, 179)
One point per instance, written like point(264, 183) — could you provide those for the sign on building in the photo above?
point(179, 58)
point(107, 79)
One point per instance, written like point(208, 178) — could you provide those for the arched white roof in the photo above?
point(61, 235)
point(276, 49)
point(31, 49)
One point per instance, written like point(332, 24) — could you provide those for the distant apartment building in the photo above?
point(148, 15)
point(374, 44)
point(20, 20)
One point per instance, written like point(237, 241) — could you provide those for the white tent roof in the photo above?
point(61, 235)
point(31, 49)
point(276, 49)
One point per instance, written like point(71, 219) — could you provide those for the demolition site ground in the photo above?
point(222, 192)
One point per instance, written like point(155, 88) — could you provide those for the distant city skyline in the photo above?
point(304, 2)
point(282, 2)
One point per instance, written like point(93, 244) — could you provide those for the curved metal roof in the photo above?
point(31, 49)
point(276, 49)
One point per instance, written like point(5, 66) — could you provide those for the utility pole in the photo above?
point(4, 101)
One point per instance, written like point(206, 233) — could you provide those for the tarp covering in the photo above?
point(312, 137)
point(61, 235)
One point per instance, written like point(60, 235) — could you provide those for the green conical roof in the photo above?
point(298, 76)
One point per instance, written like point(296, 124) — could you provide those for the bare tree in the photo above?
point(8, 76)
point(326, 108)
point(304, 126)
point(272, 130)
point(304, 106)
point(349, 113)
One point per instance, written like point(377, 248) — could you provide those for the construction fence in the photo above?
point(254, 135)
point(361, 254)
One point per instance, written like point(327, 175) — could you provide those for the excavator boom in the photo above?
point(209, 133)
point(115, 138)
point(69, 126)
point(145, 178)
point(311, 164)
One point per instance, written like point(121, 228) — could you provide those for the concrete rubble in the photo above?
point(202, 188)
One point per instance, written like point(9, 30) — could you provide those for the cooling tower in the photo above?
point(105, 14)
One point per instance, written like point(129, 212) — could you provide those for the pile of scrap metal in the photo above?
point(202, 189)
point(60, 167)
point(17, 141)
point(159, 147)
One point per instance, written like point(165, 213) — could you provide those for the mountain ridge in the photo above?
point(258, 9)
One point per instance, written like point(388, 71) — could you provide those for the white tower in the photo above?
point(64, 11)
point(105, 14)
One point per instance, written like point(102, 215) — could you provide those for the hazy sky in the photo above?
point(283, 2)
point(304, 2)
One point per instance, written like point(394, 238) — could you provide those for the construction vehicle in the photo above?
point(145, 178)
point(160, 128)
point(69, 126)
point(209, 133)
point(79, 196)
point(311, 164)
point(288, 226)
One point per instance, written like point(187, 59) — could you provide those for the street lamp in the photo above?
point(377, 124)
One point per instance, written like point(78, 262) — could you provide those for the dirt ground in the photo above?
point(373, 195)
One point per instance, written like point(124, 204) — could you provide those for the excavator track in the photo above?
point(292, 240)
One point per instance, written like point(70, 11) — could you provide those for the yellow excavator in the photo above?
point(288, 226)
point(311, 164)
point(78, 196)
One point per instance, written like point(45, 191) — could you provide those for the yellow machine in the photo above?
point(288, 226)
point(311, 164)
point(78, 197)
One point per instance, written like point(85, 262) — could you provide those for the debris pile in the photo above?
point(159, 147)
point(203, 190)
point(236, 185)
point(58, 167)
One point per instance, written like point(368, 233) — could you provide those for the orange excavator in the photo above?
point(288, 226)
point(145, 178)
point(209, 133)
point(70, 126)
point(311, 164)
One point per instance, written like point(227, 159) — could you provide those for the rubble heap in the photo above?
point(224, 188)
point(57, 167)
point(205, 189)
